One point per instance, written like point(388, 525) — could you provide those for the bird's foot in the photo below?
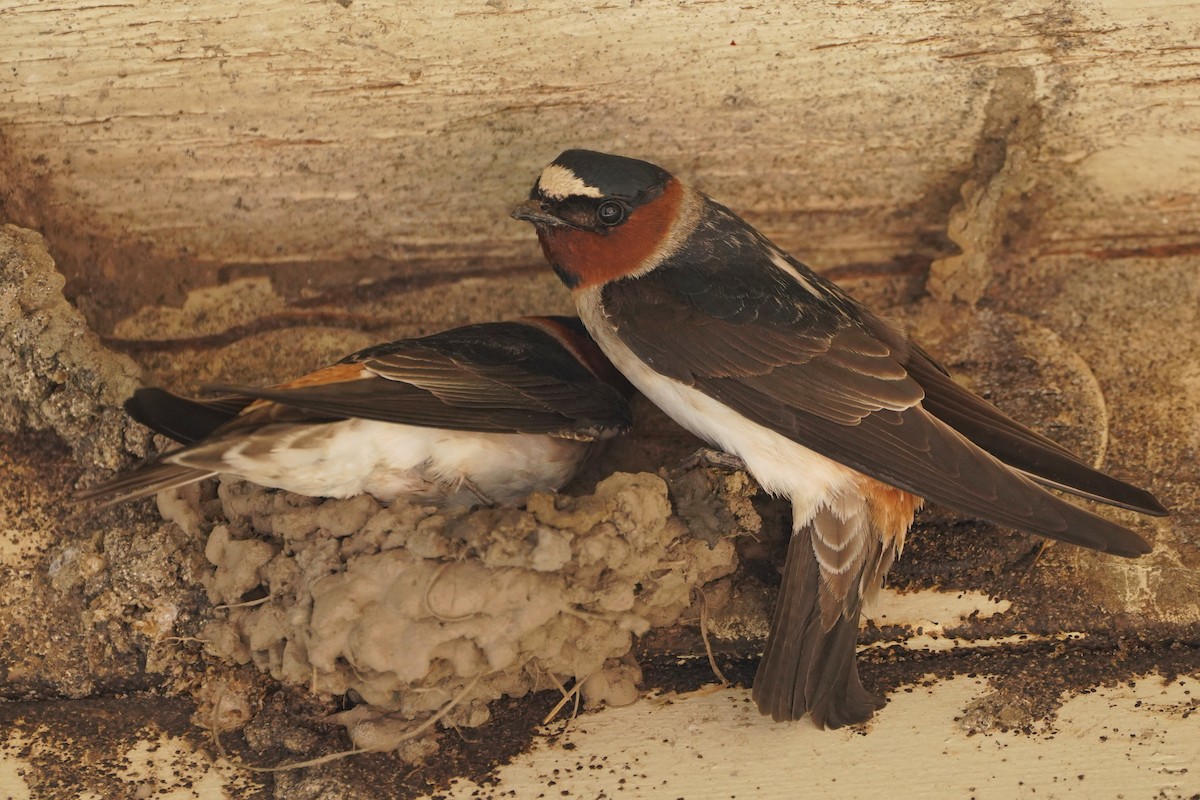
point(708, 457)
point(1029, 561)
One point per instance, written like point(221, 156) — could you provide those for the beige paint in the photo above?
point(932, 611)
point(1133, 741)
point(12, 780)
point(1127, 741)
point(159, 766)
point(158, 761)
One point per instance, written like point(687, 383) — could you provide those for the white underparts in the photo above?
point(390, 460)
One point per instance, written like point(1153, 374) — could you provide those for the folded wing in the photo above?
point(852, 388)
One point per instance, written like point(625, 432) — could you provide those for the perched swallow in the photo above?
point(484, 413)
point(824, 402)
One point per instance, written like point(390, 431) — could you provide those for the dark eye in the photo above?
point(610, 212)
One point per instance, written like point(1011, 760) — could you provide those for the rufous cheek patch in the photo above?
point(591, 258)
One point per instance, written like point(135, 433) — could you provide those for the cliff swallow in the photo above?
point(484, 413)
point(824, 402)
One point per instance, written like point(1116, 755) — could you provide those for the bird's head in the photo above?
point(601, 217)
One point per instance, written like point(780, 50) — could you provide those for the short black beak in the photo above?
point(533, 211)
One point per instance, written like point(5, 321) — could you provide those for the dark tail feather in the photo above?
point(806, 668)
point(141, 482)
point(185, 420)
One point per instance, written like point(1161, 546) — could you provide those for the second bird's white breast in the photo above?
point(390, 460)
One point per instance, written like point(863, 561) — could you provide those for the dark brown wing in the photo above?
point(184, 419)
point(505, 377)
point(800, 357)
point(1042, 459)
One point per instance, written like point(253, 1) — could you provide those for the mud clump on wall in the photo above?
point(58, 376)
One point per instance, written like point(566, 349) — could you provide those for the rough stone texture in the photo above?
point(58, 377)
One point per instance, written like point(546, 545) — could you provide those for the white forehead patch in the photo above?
point(559, 183)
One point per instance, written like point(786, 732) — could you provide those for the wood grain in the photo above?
point(162, 145)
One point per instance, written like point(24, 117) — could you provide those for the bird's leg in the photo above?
point(709, 457)
point(469, 485)
point(1033, 557)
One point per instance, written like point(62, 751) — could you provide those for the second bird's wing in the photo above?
point(469, 379)
point(186, 420)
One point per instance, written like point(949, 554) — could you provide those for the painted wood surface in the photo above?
point(166, 146)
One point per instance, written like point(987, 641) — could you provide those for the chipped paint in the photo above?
point(1132, 739)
